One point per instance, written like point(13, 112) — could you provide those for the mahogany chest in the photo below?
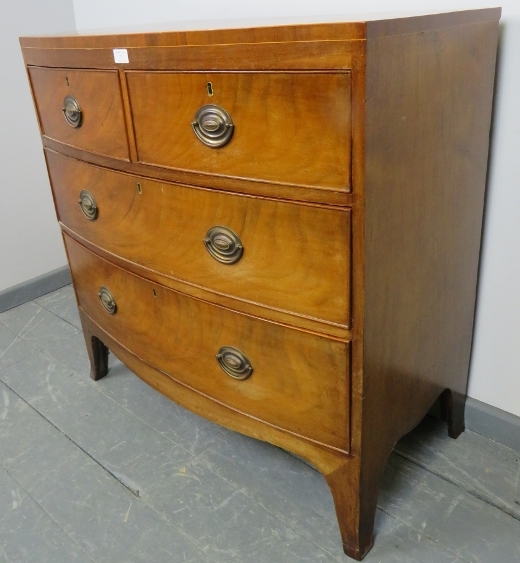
point(279, 227)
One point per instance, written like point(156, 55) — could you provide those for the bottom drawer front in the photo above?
point(286, 377)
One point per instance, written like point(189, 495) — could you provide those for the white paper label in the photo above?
point(121, 56)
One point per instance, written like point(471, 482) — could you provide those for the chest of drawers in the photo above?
point(279, 227)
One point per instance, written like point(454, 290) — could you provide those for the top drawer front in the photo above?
point(289, 128)
point(101, 127)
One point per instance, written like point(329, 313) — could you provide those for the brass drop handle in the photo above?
point(213, 126)
point(72, 111)
point(234, 363)
point(88, 205)
point(223, 244)
point(108, 302)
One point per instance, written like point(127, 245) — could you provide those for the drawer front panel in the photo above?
point(295, 258)
point(98, 126)
point(299, 382)
point(290, 128)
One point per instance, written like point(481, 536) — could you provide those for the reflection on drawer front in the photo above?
point(82, 108)
point(285, 377)
point(287, 256)
point(291, 128)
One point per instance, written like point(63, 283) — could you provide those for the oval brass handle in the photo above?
point(88, 205)
point(234, 362)
point(107, 300)
point(213, 126)
point(224, 245)
point(72, 111)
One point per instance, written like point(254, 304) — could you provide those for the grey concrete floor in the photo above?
point(114, 472)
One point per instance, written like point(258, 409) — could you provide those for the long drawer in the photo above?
point(299, 382)
point(285, 128)
point(286, 256)
point(81, 108)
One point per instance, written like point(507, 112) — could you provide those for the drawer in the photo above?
point(293, 257)
point(288, 128)
point(299, 382)
point(99, 127)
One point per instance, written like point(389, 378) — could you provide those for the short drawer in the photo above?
point(291, 257)
point(289, 128)
point(299, 381)
point(81, 108)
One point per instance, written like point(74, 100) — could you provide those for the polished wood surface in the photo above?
point(289, 128)
point(255, 309)
point(162, 228)
point(314, 194)
point(300, 382)
point(425, 178)
point(98, 92)
point(325, 459)
point(387, 200)
point(322, 55)
point(340, 27)
point(418, 342)
point(249, 33)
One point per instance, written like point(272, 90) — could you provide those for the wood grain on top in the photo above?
point(265, 30)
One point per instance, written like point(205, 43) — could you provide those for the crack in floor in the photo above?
point(45, 512)
point(135, 492)
point(460, 485)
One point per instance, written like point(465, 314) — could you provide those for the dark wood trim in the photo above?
point(130, 132)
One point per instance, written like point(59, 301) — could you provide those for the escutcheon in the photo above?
point(72, 111)
point(234, 363)
point(224, 245)
point(108, 302)
point(213, 126)
point(88, 205)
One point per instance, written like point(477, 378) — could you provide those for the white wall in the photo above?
point(495, 370)
point(30, 242)
point(496, 359)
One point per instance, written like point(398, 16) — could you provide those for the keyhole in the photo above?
point(139, 191)
point(154, 293)
point(67, 80)
point(210, 88)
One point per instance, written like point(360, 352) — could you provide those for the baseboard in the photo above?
point(493, 423)
point(31, 289)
